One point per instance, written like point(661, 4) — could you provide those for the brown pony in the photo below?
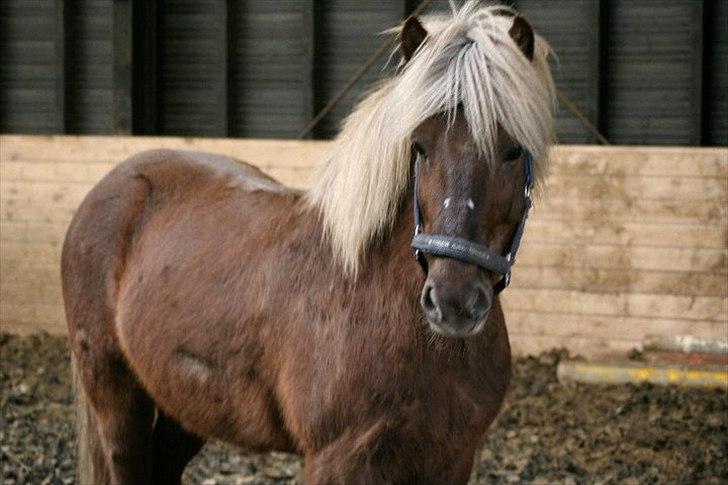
point(206, 300)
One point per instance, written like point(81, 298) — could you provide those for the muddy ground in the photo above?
point(548, 432)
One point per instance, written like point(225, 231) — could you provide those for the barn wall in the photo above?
point(347, 34)
point(651, 87)
point(631, 241)
point(89, 83)
point(191, 84)
point(572, 29)
point(647, 72)
point(29, 77)
point(716, 68)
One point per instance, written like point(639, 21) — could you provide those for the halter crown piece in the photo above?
point(469, 251)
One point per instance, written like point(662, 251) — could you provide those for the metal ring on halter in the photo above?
point(469, 251)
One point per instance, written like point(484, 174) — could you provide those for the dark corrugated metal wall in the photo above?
point(653, 80)
point(191, 83)
point(347, 36)
point(572, 29)
point(271, 52)
point(643, 72)
point(28, 74)
point(89, 76)
point(716, 82)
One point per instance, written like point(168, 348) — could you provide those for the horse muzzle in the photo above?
point(456, 310)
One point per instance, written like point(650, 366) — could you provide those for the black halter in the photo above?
point(469, 251)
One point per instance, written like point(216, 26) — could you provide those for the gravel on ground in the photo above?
point(547, 432)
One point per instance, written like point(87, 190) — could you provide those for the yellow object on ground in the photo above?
point(596, 373)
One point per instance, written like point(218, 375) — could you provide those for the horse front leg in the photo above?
point(124, 419)
point(332, 466)
point(380, 456)
point(173, 448)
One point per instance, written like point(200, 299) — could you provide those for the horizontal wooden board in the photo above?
point(35, 232)
point(31, 286)
point(26, 327)
point(571, 159)
point(640, 161)
point(29, 255)
point(599, 280)
point(658, 307)
point(522, 344)
point(71, 172)
point(593, 255)
point(627, 233)
point(671, 188)
point(59, 149)
point(668, 189)
point(566, 326)
point(668, 211)
point(46, 315)
point(88, 174)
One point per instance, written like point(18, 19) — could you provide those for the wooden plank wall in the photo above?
point(628, 241)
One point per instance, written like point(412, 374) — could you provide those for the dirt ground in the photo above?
point(548, 432)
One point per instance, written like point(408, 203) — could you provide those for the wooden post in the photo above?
point(61, 66)
point(122, 26)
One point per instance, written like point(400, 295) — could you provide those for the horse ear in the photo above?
point(410, 37)
point(522, 33)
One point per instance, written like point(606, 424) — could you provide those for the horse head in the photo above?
point(470, 204)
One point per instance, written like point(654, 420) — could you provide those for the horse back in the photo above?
point(111, 216)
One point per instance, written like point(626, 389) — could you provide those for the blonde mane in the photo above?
point(468, 59)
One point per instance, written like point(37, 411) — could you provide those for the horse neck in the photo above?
point(392, 258)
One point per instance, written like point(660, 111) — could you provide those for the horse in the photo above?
point(206, 300)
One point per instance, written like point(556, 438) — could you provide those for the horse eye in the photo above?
point(420, 151)
point(513, 152)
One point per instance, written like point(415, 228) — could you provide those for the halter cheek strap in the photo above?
point(469, 251)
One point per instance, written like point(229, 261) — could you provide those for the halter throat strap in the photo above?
point(468, 251)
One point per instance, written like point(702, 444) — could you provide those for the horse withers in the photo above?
point(206, 300)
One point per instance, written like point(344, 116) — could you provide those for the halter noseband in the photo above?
point(469, 251)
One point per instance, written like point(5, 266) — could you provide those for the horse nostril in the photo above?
point(428, 303)
point(481, 304)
